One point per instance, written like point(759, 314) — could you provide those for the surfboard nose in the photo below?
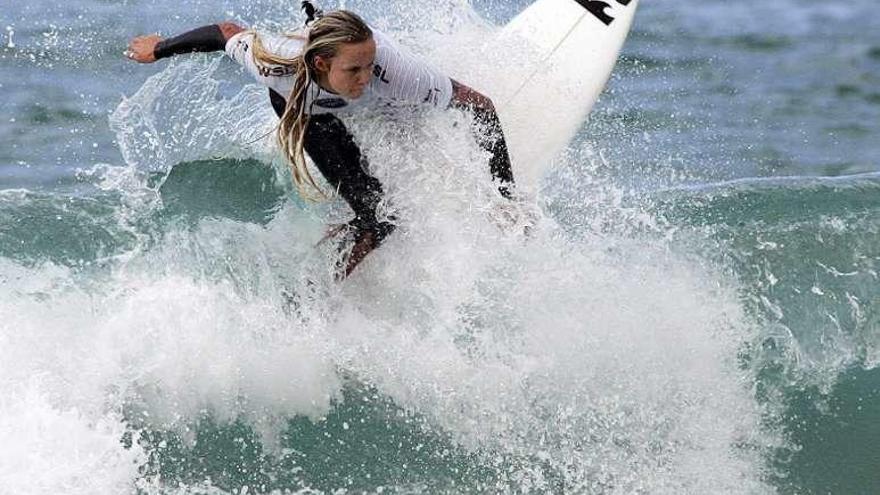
point(565, 51)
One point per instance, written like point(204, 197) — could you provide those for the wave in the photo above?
point(459, 358)
point(772, 199)
point(805, 250)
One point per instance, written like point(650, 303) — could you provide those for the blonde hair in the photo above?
point(324, 37)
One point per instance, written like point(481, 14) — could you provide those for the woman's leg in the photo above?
point(337, 156)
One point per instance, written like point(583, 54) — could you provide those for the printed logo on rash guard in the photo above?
point(381, 73)
point(331, 103)
point(277, 70)
point(598, 7)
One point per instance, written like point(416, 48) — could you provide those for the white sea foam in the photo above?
point(47, 448)
point(168, 349)
point(601, 362)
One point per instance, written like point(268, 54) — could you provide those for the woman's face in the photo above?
point(349, 72)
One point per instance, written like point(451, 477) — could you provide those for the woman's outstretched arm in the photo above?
point(147, 49)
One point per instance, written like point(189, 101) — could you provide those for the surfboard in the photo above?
point(556, 57)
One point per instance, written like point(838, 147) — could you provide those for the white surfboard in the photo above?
point(556, 58)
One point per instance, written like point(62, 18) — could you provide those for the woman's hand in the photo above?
point(141, 49)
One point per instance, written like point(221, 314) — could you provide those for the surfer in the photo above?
point(338, 63)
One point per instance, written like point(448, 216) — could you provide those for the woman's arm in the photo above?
point(148, 49)
point(488, 132)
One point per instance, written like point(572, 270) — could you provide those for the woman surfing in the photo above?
point(335, 65)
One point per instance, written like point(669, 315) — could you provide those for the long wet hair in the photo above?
point(324, 37)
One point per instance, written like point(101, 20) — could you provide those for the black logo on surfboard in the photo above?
point(598, 8)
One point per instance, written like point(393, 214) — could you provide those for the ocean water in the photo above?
point(697, 312)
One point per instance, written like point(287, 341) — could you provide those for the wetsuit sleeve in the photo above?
point(491, 138)
point(203, 39)
point(487, 130)
point(402, 77)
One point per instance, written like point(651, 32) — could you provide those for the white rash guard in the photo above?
point(399, 78)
